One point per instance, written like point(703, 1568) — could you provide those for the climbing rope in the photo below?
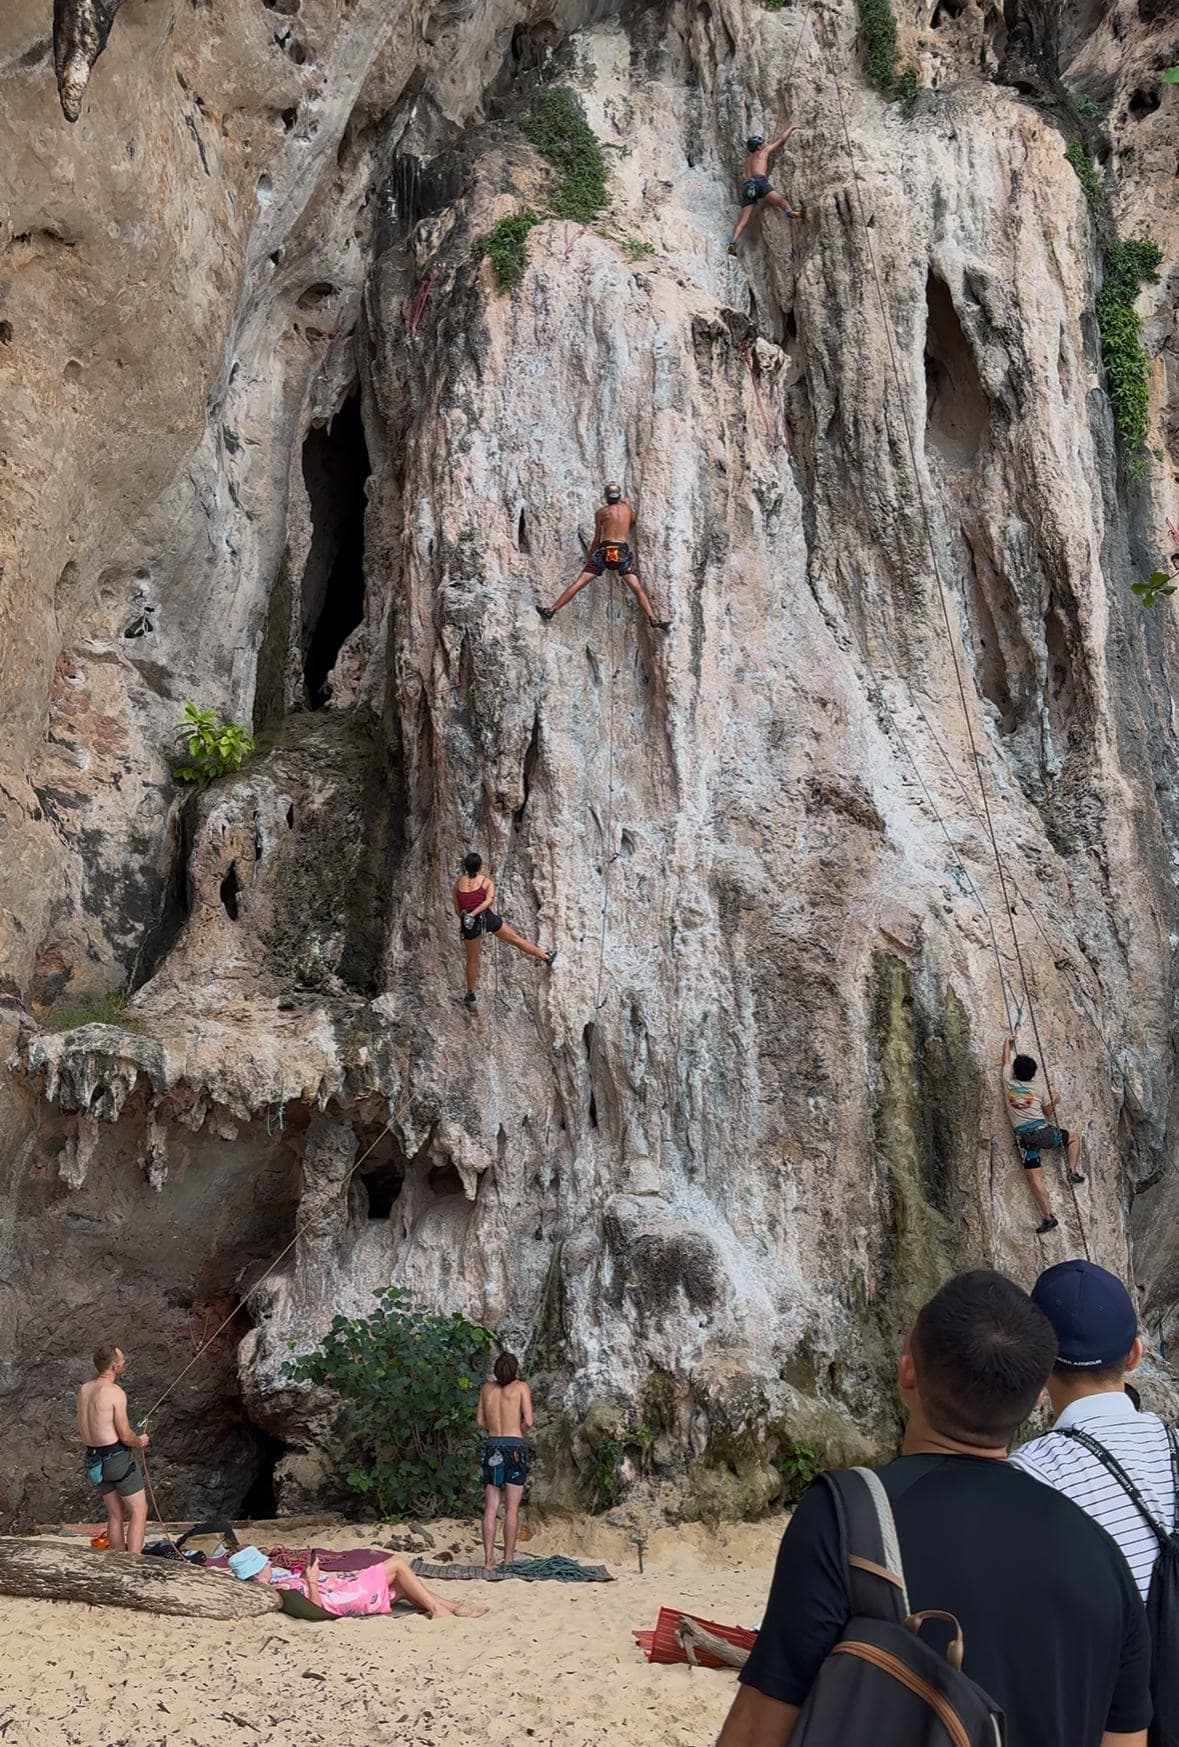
point(1012, 1025)
point(927, 525)
point(612, 617)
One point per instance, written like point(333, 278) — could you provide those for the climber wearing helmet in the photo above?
point(755, 182)
point(613, 522)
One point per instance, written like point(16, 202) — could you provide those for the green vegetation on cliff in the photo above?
point(1128, 266)
point(410, 1384)
point(557, 127)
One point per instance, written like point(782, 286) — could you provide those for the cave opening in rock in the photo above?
point(382, 1187)
point(230, 887)
point(260, 1502)
point(956, 408)
point(335, 471)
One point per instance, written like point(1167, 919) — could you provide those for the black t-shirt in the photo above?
point(1053, 1625)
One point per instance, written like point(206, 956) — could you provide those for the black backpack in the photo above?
point(882, 1685)
point(1162, 1598)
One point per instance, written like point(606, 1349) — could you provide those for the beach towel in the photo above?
point(351, 1559)
point(554, 1569)
point(662, 1645)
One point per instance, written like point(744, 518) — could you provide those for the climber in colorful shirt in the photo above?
point(1033, 1117)
point(351, 1594)
point(755, 182)
point(613, 522)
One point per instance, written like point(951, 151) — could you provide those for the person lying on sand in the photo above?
point(352, 1594)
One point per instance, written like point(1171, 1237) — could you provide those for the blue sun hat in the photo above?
point(247, 1562)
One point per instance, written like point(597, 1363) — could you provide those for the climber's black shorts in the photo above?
point(487, 922)
point(611, 555)
point(1039, 1137)
point(753, 189)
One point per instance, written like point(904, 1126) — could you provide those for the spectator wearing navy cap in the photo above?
point(1097, 1344)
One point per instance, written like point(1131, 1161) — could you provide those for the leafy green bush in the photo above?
point(1085, 109)
point(557, 127)
point(1161, 584)
point(1087, 176)
point(607, 1460)
point(410, 1380)
point(211, 746)
point(1128, 266)
point(798, 1467)
point(906, 91)
point(505, 246)
point(636, 249)
point(880, 34)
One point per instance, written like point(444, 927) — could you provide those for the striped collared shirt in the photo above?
point(1139, 1442)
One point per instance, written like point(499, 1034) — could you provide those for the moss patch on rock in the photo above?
point(926, 1121)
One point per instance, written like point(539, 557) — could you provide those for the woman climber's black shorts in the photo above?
point(486, 922)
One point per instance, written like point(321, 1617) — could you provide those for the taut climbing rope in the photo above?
point(927, 526)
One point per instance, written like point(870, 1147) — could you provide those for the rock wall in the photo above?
point(273, 443)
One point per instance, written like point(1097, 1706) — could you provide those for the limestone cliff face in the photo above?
point(272, 442)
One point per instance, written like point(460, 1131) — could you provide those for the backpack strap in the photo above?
point(871, 1551)
point(1113, 1466)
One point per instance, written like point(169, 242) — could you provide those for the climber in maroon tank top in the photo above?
point(473, 895)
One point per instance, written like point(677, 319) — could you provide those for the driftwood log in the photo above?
point(692, 1637)
point(58, 1571)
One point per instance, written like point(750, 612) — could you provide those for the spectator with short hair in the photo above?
point(1098, 1343)
point(1054, 1628)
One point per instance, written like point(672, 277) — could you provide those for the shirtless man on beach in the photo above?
point(613, 522)
point(110, 1443)
point(505, 1415)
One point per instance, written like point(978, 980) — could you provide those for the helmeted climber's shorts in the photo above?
point(753, 189)
point(486, 922)
point(113, 1468)
point(1037, 1137)
point(505, 1462)
point(611, 555)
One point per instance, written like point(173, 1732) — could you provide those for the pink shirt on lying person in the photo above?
point(347, 1594)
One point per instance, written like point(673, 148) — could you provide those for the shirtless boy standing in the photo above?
point(505, 1415)
point(110, 1443)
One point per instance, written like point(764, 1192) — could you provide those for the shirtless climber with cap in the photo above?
point(613, 521)
point(755, 182)
point(1033, 1117)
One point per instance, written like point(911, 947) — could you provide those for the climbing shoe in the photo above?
point(469, 998)
point(732, 245)
point(659, 624)
point(1049, 1224)
point(549, 957)
point(1076, 1176)
point(546, 613)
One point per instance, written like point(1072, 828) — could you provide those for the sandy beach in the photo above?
point(550, 1662)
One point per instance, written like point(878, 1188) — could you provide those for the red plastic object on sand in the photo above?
point(661, 1644)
